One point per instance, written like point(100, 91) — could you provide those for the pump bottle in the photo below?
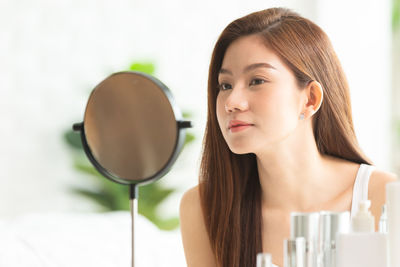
point(362, 246)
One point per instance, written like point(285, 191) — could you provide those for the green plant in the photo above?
point(395, 14)
point(112, 196)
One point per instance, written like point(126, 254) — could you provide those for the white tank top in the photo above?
point(360, 188)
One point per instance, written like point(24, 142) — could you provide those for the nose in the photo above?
point(236, 101)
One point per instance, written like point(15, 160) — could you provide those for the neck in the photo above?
point(292, 177)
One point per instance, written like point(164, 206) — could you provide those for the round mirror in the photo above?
point(132, 130)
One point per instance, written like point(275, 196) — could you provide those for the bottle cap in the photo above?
point(363, 221)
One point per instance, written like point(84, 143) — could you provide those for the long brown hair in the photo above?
point(229, 184)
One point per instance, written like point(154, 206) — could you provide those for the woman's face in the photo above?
point(264, 96)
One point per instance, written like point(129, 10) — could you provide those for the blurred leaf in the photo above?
point(397, 127)
point(145, 67)
point(97, 197)
point(395, 14)
point(169, 224)
point(186, 114)
point(149, 198)
point(84, 167)
point(189, 138)
point(153, 193)
point(73, 139)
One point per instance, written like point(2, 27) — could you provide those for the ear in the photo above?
point(315, 96)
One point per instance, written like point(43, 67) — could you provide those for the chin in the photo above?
point(239, 150)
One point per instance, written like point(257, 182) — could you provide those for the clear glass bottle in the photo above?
point(294, 252)
point(306, 225)
point(331, 223)
point(264, 260)
point(383, 221)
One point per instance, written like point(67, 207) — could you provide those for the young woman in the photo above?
point(279, 138)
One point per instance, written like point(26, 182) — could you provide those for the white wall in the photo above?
point(53, 52)
point(396, 100)
point(361, 34)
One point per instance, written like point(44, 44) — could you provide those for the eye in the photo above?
point(224, 86)
point(257, 81)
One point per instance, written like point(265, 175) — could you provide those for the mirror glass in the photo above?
point(130, 127)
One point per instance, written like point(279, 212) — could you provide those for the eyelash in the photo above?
point(220, 86)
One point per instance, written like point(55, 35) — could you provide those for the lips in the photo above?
point(236, 123)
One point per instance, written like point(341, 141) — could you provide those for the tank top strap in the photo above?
point(360, 188)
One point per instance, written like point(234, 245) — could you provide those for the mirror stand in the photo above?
point(133, 193)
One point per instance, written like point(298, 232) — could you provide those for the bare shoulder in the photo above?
point(195, 239)
point(377, 191)
point(190, 207)
point(377, 183)
point(190, 197)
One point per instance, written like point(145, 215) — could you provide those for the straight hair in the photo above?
point(229, 185)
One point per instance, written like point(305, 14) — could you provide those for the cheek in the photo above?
point(284, 100)
point(279, 111)
point(269, 104)
point(220, 110)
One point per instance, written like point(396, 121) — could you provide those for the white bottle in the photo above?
point(362, 247)
point(393, 222)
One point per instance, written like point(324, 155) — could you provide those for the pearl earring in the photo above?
point(302, 116)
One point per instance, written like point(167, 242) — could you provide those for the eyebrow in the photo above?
point(249, 68)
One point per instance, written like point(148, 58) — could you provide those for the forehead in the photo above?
point(248, 50)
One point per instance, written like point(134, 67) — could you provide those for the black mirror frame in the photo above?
point(180, 137)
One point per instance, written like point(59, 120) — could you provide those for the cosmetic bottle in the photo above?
point(383, 220)
point(294, 252)
point(331, 223)
point(306, 224)
point(393, 222)
point(362, 246)
point(264, 260)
